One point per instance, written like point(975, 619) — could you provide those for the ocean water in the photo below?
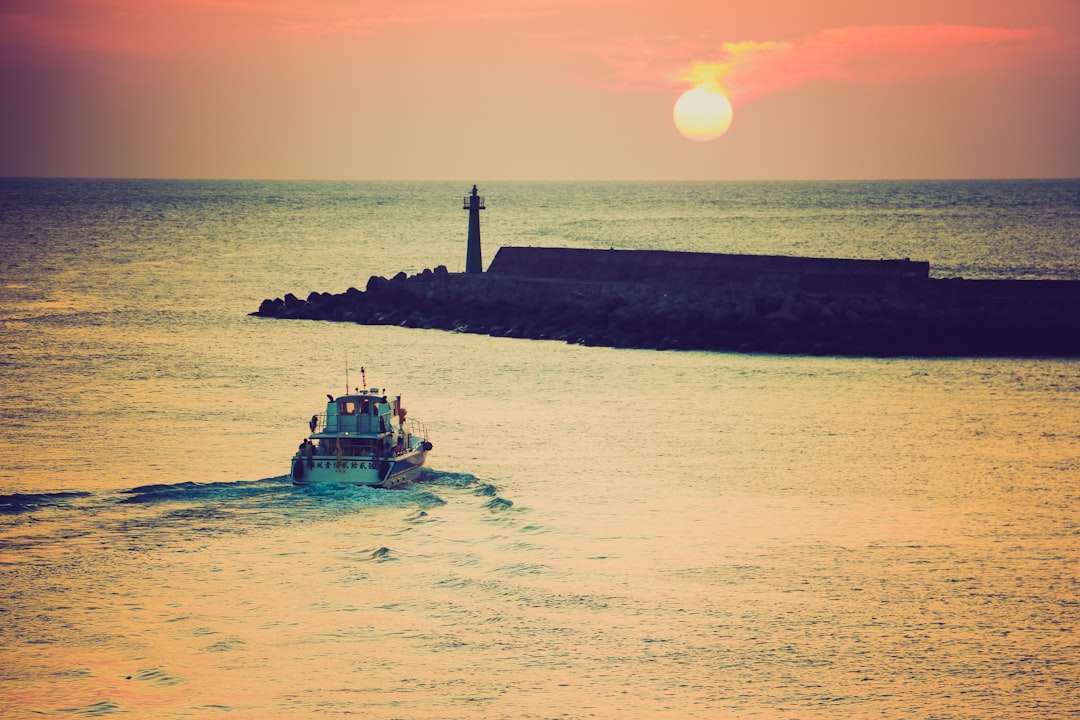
point(600, 533)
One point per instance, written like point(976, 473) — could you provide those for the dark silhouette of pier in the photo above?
point(705, 301)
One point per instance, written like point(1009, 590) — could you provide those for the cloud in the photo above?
point(872, 55)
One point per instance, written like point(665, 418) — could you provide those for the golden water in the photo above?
point(600, 533)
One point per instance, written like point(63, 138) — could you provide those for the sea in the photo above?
point(599, 532)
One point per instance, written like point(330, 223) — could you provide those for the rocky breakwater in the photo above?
point(697, 301)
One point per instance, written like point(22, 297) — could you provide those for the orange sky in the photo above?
point(537, 89)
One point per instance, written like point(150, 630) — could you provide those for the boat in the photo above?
point(363, 438)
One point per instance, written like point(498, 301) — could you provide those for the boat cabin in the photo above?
point(368, 414)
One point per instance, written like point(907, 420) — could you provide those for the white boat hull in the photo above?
point(387, 472)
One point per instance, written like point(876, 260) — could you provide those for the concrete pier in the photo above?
point(703, 301)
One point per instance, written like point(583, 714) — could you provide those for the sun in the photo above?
point(703, 113)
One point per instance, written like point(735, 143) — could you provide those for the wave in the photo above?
point(188, 491)
point(498, 504)
point(442, 478)
point(423, 493)
point(17, 503)
point(380, 554)
point(158, 511)
point(98, 709)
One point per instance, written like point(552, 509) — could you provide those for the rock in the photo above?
point(376, 284)
point(953, 319)
point(271, 308)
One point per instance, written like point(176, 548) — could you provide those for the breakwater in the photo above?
point(705, 301)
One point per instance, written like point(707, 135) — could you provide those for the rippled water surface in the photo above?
point(600, 533)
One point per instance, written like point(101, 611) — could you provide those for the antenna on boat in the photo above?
point(363, 377)
point(346, 376)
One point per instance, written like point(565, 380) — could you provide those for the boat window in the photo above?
point(347, 407)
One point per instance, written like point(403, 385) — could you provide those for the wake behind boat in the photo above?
point(363, 438)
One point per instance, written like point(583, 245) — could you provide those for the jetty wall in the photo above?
point(702, 301)
point(713, 270)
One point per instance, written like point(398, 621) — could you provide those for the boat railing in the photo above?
point(416, 428)
point(413, 427)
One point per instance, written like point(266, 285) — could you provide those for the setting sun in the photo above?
point(703, 113)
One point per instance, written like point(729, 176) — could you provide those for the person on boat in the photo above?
point(313, 422)
point(309, 453)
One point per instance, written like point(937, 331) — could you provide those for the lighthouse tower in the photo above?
point(474, 204)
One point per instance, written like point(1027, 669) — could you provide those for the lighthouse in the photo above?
point(474, 204)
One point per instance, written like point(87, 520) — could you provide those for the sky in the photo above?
point(538, 89)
